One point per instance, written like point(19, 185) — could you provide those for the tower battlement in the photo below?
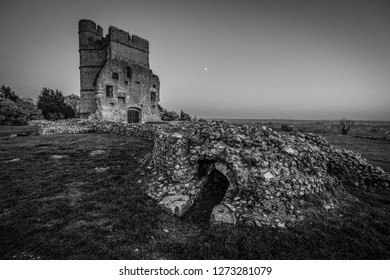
point(90, 25)
point(123, 37)
point(116, 82)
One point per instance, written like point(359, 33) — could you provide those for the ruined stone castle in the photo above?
point(116, 83)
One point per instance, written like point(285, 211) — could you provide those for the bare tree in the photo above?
point(346, 125)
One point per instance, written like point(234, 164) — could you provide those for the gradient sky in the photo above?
point(297, 59)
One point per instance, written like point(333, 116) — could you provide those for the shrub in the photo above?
point(11, 114)
point(53, 105)
point(32, 111)
point(169, 116)
point(73, 101)
point(345, 126)
point(6, 92)
point(287, 127)
point(184, 116)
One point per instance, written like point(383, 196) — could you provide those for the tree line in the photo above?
point(51, 105)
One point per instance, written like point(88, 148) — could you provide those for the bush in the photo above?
point(15, 110)
point(169, 116)
point(6, 92)
point(11, 114)
point(287, 127)
point(53, 105)
point(184, 116)
point(345, 126)
point(32, 111)
point(73, 101)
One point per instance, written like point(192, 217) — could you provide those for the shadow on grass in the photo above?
point(65, 209)
point(356, 229)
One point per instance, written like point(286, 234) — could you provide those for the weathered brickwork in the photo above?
point(116, 81)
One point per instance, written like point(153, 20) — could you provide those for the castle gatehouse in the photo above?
point(116, 82)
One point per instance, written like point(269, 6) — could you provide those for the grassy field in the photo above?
point(81, 206)
point(377, 129)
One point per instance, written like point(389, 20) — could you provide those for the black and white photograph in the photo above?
point(235, 134)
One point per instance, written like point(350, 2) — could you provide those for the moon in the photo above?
point(205, 69)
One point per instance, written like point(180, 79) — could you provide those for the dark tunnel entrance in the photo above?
point(211, 195)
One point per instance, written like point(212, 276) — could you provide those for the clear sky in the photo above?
point(300, 59)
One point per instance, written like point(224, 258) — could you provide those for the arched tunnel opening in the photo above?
point(211, 195)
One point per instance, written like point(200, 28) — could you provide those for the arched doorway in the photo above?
point(211, 195)
point(133, 115)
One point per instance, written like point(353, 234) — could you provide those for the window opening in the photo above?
point(128, 72)
point(153, 96)
point(109, 91)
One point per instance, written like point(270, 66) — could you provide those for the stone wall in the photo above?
point(75, 126)
point(103, 62)
point(270, 175)
point(128, 92)
point(93, 54)
point(124, 38)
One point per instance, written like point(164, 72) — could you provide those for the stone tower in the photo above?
point(116, 83)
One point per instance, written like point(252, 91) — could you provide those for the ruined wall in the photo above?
point(128, 92)
point(104, 62)
point(75, 126)
point(128, 48)
point(271, 176)
point(93, 54)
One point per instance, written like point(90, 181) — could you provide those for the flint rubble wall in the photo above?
point(270, 175)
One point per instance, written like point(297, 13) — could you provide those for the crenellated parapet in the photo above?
point(115, 76)
point(90, 25)
point(123, 37)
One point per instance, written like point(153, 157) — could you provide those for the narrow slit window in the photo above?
point(128, 72)
point(109, 91)
point(115, 76)
point(153, 96)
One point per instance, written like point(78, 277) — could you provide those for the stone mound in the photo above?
point(260, 177)
point(269, 175)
